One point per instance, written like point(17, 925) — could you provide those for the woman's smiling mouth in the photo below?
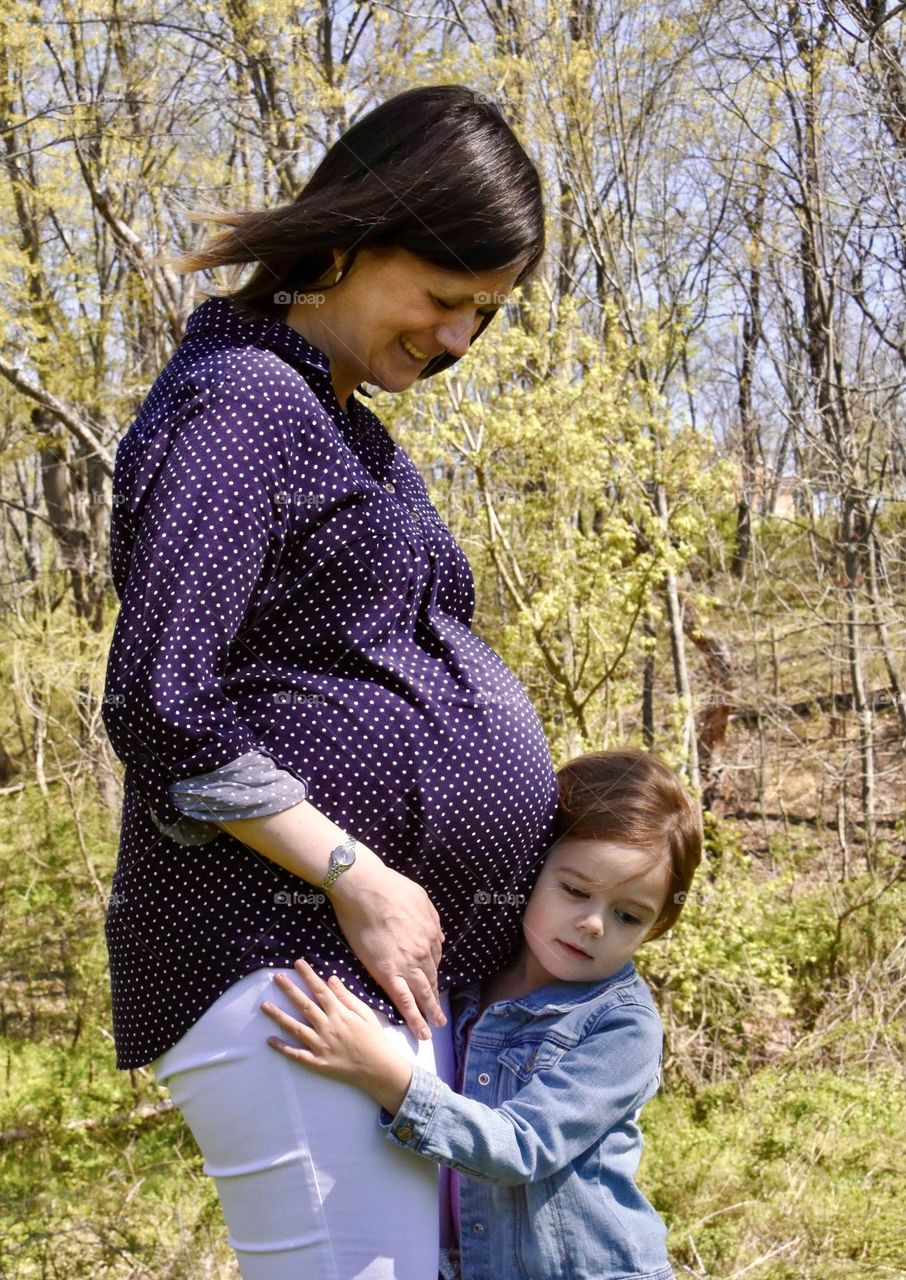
point(412, 351)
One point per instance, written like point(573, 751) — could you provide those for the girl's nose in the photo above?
point(592, 924)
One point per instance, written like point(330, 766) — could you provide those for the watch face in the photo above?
point(344, 855)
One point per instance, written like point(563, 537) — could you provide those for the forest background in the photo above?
point(677, 464)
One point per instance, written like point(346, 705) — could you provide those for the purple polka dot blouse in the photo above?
point(289, 594)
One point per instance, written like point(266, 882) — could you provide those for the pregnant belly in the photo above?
point(441, 766)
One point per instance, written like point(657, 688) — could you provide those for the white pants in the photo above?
point(310, 1187)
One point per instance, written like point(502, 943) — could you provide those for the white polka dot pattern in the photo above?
point(287, 588)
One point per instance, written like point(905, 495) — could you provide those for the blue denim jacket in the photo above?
point(547, 1129)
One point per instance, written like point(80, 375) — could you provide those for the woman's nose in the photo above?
point(456, 333)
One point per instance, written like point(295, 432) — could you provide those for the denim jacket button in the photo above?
point(478, 1228)
point(404, 1133)
point(484, 1078)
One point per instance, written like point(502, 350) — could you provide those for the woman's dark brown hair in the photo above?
point(632, 797)
point(436, 171)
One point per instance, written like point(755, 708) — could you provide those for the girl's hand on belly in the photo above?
point(392, 926)
point(341, 1038)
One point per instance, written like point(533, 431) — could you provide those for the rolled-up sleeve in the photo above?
point(208, 524)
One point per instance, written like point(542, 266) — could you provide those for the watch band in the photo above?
point(341, 859)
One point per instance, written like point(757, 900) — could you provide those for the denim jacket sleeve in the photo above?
point(206, 528)
point(562, 1110)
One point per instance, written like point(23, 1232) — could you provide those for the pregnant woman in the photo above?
point(322, 759)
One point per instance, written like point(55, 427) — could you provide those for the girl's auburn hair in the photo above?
point(434, 170)
point(634, 798)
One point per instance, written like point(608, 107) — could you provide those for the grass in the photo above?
point(788, 1174)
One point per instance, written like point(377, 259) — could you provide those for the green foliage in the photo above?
point(755, 959)
point(562, 459)
point(563, 472)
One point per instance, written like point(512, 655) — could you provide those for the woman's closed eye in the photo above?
point(451, 306)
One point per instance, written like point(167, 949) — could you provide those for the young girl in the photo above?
point(557, 1054)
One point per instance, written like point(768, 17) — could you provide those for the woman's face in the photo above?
point(392, 313)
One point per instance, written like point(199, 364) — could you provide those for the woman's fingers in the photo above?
point(398, 990)
point(427, 996)
point(417, 999)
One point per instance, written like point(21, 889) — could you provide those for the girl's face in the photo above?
point(591, 907)
point(392, 313)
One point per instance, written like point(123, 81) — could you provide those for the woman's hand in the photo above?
point(341, 1037)
point(387, 919)
point(391, 925)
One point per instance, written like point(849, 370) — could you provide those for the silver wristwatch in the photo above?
point(341, 858)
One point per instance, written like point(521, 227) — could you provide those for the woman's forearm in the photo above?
point(300, 840)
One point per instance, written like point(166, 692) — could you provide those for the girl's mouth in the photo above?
point(574, 951)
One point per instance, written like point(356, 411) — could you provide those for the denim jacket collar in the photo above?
point(555, 997)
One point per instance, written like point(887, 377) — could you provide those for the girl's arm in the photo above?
point(560, 1112)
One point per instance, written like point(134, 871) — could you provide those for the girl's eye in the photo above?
point(445, 306)
point(626, 917)
point(573, 892)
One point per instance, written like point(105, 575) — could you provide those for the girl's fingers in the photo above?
point(292, 1051)
point(316, 984)
point(346, 997)
point(290, 1024)
point(301, 999)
